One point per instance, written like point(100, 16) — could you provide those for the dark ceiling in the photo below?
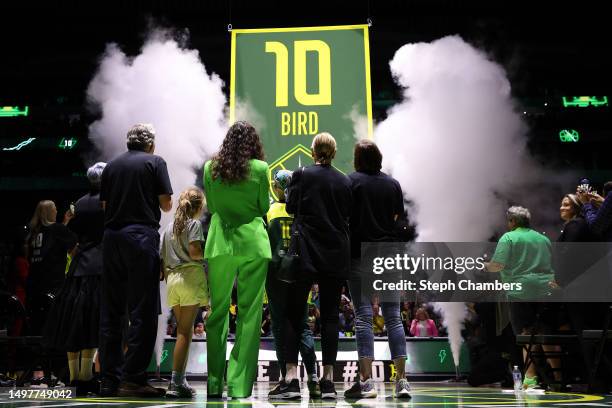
point(51, 49)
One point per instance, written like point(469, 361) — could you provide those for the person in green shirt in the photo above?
point(236, 184)
point(524, 256)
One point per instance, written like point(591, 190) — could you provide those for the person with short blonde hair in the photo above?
point(323, 148)
point(321, 200)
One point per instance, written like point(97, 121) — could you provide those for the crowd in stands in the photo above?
point(414, 316)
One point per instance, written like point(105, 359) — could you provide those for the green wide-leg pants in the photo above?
point(250, 275)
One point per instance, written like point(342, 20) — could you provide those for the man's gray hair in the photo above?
point(140, 136)
point(94, 173)
point(520, 215)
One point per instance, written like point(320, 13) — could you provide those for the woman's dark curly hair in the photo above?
point(241, 144)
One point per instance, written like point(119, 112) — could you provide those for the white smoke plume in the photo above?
point(247, 112)
point(456, 139)
point(457, 145)
point(360, 124)
point(453, 314)
point(166, 85)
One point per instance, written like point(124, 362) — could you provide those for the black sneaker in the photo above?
point(313, 389)
point(180, 391)
point(286, 390)
point(557, 387)
point(6, 381)
point(94, 385)
point(108, 388)
point(83, 388)
point(277, 388)
point(128, 389)
point(361, 389)
point(40, 382)
point(328, 391)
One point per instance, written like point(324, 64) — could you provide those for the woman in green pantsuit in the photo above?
point(236, 184)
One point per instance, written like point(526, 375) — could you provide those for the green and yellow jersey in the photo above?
point(279, 232)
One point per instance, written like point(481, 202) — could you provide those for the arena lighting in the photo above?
point(12, 111)
point(67, 144)
point(584, 101)
point(20, 145)
point(569, 135)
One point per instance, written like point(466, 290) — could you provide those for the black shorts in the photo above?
point(543, 318)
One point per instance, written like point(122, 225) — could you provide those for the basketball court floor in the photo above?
point(441, 394)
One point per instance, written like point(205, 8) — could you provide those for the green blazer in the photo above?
point(236, 226)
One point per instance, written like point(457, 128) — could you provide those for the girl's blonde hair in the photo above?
point(190, 202)
point(42, 216)
point(324, 148)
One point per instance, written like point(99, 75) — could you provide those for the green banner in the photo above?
point(293, 83)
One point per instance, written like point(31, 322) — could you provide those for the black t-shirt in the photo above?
point(131, 186)
point(571, 259)
point(88, 222)
point(48, 251)
point(377, 198)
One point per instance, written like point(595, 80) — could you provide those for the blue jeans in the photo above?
point(363, 324)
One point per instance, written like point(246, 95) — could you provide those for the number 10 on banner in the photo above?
point(301, 122)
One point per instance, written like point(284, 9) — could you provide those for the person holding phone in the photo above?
point(48, 245)
point(597, 210)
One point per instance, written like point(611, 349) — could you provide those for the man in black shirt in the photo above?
point(135, 186)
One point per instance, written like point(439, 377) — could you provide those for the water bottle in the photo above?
point(517, 378)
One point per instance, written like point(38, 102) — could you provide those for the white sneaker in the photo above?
point(402, 388)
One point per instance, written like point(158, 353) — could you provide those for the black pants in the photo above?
point(329, 292)
point(130, 284)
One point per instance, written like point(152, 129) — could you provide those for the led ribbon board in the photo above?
point(569, 136)
point(67, 143)
point(20, 145)
point(293, 83)
point(12, 111)
point(584, 101)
